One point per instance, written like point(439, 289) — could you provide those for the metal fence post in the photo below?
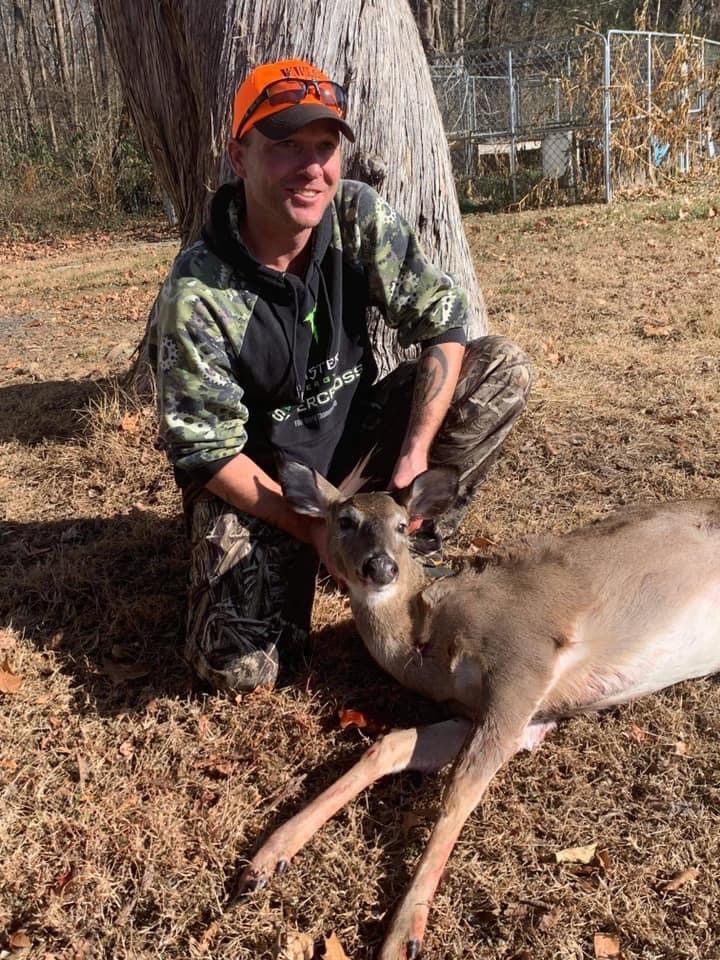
point(607, 117)
point(513, 123)
point(648, 82)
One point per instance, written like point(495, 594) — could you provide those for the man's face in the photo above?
point(289, 183)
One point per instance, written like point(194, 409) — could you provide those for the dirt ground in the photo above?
point(129, 795)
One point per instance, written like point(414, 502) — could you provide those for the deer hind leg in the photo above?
point(423, 748)
point(486, 749)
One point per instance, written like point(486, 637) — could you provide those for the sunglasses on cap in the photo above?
point(293, 90)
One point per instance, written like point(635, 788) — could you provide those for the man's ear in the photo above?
point(304, 489)
point(236, 153)
point(431, 493)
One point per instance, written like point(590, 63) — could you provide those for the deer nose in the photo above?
point(381, 569)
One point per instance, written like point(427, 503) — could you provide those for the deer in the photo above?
point(547, 629)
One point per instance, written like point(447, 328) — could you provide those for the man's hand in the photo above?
point(318, 538)
point(244, 484)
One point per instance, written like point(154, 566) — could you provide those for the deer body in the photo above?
point(602, 609)
point(551, 628)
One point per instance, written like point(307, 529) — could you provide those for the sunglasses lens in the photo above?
point(286, 91)
point(332, 94)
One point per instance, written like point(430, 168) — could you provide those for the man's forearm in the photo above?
point(435, 382)
point(245, 485)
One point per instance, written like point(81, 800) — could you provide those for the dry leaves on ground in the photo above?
point(576, 854)
point(607, 946)
point(9, 681)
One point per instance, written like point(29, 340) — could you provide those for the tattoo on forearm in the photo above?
point(431, 377)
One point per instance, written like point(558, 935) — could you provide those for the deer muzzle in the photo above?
point(380, 569)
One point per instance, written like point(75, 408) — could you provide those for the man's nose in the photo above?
point(310, 162)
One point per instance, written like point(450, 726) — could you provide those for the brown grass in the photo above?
point(129, 795)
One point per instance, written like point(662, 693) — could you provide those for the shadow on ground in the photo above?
point(51, 410)
point(107, 594)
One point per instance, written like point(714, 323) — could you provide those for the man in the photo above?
point(261, 345)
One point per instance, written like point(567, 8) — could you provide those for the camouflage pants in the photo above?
point(251, 585)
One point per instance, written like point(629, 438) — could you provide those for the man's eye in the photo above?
point(347, 523)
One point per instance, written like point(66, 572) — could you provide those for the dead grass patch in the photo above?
point(129, 795)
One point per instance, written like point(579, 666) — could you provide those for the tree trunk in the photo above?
point(61, 46)
point(72, 62)
point(22, 64)
point(426, 24)
point(45, 86)
point(180, 63)
point(90, 67)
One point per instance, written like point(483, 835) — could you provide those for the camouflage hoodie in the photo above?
point(250, 359)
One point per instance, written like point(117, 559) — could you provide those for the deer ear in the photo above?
point(304, 489)
point(430, 493)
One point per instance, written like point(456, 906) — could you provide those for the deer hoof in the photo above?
point(412, 950)
point(281, 867)
point(250, 882)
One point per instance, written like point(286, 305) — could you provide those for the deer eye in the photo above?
point(347, 522)
point(402, 527)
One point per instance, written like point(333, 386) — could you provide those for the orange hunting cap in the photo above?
point(279, 98)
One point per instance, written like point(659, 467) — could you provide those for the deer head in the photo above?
point(368, 533)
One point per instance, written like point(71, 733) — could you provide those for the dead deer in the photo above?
point(562, 626)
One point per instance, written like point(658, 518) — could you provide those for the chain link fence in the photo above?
point(568, 120)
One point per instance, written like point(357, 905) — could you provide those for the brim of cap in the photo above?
point(286, 122)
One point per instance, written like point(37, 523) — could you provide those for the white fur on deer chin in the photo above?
point(372, 596)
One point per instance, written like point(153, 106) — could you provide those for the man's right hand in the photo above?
point(245, 485)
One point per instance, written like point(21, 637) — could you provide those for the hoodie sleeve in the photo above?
point(417, 298)
point(201, 412)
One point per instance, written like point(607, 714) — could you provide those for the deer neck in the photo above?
point(387, 619)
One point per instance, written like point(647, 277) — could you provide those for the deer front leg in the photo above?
point(424, 748)
point(486, 749)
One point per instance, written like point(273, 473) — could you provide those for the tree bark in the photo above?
point(62, 59)
point(180, 63)
point(73, 61)
point(45, 87)
point(22, 64)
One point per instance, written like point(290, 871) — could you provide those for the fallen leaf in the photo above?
point(20, 940)
point(333, 949)
point(576, 854)
point(681, 748)
point(555, 358)
point(681, 878)
point(355, 718)
point(550, 919)
point(651, 330)
point(352, 718)
point(129, 422)
point(63, 879)
point(9, 682)
point(482, 543)
point(208, 937)
point(607, 946)
point(604, 859)
point(8, 763)
point(638, 734)
point(216, 766)
point(296, 946)
point(126, 749)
